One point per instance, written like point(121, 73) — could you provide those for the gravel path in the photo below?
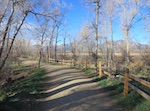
point(71, 90)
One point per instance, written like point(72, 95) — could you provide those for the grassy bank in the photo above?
point(21, 94)
point(131, 102)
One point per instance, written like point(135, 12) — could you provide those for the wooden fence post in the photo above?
point(126, 88)
point(100, 70)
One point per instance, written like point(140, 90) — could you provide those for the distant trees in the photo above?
point(22, 47)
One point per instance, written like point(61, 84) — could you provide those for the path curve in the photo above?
point(69, 89)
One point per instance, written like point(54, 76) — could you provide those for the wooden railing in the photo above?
point(126, 82)
point(63, 62)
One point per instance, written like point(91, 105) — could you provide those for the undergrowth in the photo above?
point(20, 93)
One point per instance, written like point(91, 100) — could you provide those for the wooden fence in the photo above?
point(63, 62)
point(126, 82)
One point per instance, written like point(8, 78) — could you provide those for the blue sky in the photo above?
point(78, 15)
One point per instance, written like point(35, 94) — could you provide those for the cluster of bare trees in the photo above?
point(95, 40)
point(49, 30)
point(15, 14)
point(125, 14)
point(12, 16)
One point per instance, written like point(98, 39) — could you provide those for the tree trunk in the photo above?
point(107, 54)
point(40, 57)
point(56, 44)
point(127, 47)
point(47, 54)
point(112, 42)
point(51, 44)
point(64, 55)
point(42, 42)
point(96, 29)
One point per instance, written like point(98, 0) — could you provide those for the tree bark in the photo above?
point(56, 44)
point(112, 42)
point(127, 46)
point(96, 29)
point(42, 41)
point(64, 55)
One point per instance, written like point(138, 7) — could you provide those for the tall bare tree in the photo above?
point(41, 37)
point(128, 11)
point(109, 14)
point(65, 36)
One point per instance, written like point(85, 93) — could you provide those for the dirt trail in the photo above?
point(68, 89)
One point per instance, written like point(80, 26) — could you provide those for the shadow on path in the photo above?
point(61, 89)
point(68, 89)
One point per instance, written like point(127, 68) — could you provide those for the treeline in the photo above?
point(35, 29)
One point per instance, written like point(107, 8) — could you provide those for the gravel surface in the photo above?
point(68, 89)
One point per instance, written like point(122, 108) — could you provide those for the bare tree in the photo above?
point(97, 2)
point(109, 12)
point(58, 24)
point(73, 45)
point(128, 12)
point(57, 21)
point(65, 36)
point(42, 38)
point(86, 44)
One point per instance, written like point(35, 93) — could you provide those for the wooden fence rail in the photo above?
point(127, 84)
point(145, 83)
